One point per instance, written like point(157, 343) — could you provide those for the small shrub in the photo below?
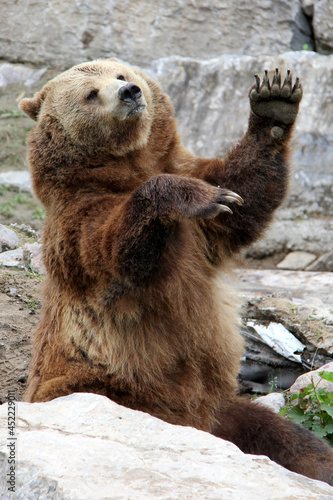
point(39, 214)
point(13, 113)
point(6, 209)
point(314, 409)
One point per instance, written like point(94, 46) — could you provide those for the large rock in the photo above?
point(303, 286)
point(301, 301)
point(314, 378)
point(33, 257)
point(84, 446)
point(310, 234)
point(18, 73)
point(62, 34)
point(322, 24)
point(19, 180)
point(12, 258)
point(275, 401)
point(8, 239)
point(296, 261)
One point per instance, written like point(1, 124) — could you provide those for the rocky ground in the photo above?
point(19, 312)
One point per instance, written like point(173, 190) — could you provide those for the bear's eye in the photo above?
point(121, 77)
point(91, 94)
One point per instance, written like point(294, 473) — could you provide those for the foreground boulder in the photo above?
point(85, 446)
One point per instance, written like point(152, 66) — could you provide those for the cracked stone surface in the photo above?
point(84, 446)
point(61, 37)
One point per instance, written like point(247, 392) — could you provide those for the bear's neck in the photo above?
point(60, 169)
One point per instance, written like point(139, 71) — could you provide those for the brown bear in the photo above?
point(137, 229)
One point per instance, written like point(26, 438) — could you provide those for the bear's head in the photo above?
point(100, 107)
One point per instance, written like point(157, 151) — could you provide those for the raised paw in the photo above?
point(275, 101)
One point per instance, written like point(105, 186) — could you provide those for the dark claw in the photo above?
point(288, 77)
point(297, 91)
point(287, 85)
point(254, 92)
point(257, 82)
point(234, 198)
point(276, 84)
point(265, 87)
point(224, 208)
point(231, 197)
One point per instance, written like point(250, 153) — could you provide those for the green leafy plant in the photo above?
point(293, 309)
point(13, 113)
point(21, 198)
point(39, 214)
point(32, 305)
point(32, 274)
point(314, 409)
point(6, 209)
point(273, 383)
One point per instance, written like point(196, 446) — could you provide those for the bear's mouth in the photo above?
point(135, 110)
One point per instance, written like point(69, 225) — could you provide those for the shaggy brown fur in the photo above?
point(136, 232)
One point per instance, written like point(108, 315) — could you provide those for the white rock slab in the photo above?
point(18, 179)
point(297, 261)
point(84, 446)
point(33, 257)
point(305, 286)
point(8, 239)
point(18, 73)
point(12, 258)
point(275, 401)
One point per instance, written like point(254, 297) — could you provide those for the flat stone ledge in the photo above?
point(85, 446)
point(305, 286)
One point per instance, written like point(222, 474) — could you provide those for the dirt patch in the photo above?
point(19, 312)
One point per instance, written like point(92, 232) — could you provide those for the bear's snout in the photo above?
point(129, 93)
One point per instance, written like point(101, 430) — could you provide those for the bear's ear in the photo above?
point(31, 106)
point(113, 59)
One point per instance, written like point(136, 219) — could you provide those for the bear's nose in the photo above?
point(129, 93)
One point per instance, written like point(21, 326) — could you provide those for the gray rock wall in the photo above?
point(320, 14)
point(60, 34)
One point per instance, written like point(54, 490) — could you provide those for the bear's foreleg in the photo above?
point(259, 431)
point(258, 167)
point(149, 222)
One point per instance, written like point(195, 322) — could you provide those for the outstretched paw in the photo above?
point(215, 203)
point(275, 101)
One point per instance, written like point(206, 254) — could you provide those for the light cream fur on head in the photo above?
point(85, 98)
